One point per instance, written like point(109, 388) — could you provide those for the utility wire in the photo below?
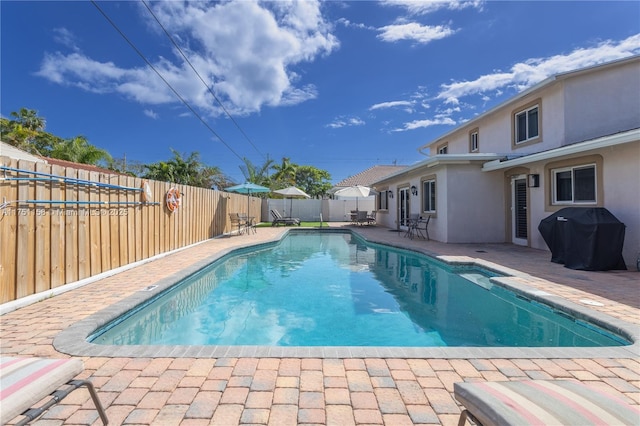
point(200, 77)
point(165, 81)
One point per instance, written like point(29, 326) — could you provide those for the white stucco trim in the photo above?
point(603, 142)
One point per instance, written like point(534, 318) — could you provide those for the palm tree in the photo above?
point(29, 119)
point(79, 150)
point(285, 172)
point(256, 174)
point(188, 171)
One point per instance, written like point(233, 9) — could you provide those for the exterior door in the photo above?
point(403, 207)
point(519, 225)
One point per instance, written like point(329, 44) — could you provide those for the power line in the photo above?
point(200, 77)
point(165, 81)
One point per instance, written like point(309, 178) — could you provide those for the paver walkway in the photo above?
point(298, 391)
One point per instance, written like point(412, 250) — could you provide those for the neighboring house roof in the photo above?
point(368, 177)
point(543, 84)
point(11, 151)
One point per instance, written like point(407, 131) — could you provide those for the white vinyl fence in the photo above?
point(310, 210)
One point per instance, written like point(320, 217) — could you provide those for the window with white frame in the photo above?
point(383, 200)
point(429, 196)
point(574, 185)
point(443, 149)
point(526, 124)
point(473, 141)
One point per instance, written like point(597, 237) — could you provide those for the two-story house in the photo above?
point(571, 140)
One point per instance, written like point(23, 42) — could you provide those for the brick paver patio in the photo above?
point(297, 391)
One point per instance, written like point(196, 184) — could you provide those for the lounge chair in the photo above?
point(26, 381)
point(278, 219)
point(541, 402)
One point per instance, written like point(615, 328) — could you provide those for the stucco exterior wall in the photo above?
point(621, 175)
point(474, 205)
point(602, 103)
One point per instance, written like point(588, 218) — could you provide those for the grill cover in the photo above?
point(590, 239)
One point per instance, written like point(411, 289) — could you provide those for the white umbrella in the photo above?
point(292, 192)
point(356, 191)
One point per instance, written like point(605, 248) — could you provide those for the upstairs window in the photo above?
point(474, 142)
point(526, 124)
point(443, 149)
point(574, 185)
point(429, 196)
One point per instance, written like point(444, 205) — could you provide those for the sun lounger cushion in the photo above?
point(27, 381)
point(543, 402)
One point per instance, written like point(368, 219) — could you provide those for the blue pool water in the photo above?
point(334, 289)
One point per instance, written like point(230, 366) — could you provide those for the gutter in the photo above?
point(603, 142)
point(442, 159)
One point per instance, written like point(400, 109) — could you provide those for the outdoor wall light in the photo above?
point(390, 194)
point(533, 181)
point(414, 190)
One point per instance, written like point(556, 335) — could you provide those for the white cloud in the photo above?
point(150, 113)
point(527, 73)
point(347, 23)
point(340, 122)
point(65, 38)
point(246, 49)
point(391, 104)
point(424, 7)
point(418, 124)
point(414, 31)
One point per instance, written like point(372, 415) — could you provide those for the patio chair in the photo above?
point(541, 402)
point(278, 219)
point(249, 223)
point(353, 217)
point(426, 225)
point(361, 218)
point(237, 222)
point(371, 218)
point(26, 381)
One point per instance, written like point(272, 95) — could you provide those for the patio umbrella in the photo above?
point(248, 188)
point(355, 191)
point(292, 192)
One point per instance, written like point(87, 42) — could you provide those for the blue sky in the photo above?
point(339, 85)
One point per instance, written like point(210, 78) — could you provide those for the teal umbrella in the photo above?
point(248, 188)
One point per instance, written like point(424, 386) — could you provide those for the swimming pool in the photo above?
point(345, 292)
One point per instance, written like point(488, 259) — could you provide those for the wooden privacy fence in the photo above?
point(60, 224)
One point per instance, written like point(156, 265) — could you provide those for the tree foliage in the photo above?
point(257, 174)
point(26, 132)
point(79, 150)
point(315, 182)
point(285, 174)
point(187, 171)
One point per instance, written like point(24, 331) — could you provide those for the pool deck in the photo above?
point(144, 389)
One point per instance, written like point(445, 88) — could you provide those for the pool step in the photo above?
point(478, 279)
